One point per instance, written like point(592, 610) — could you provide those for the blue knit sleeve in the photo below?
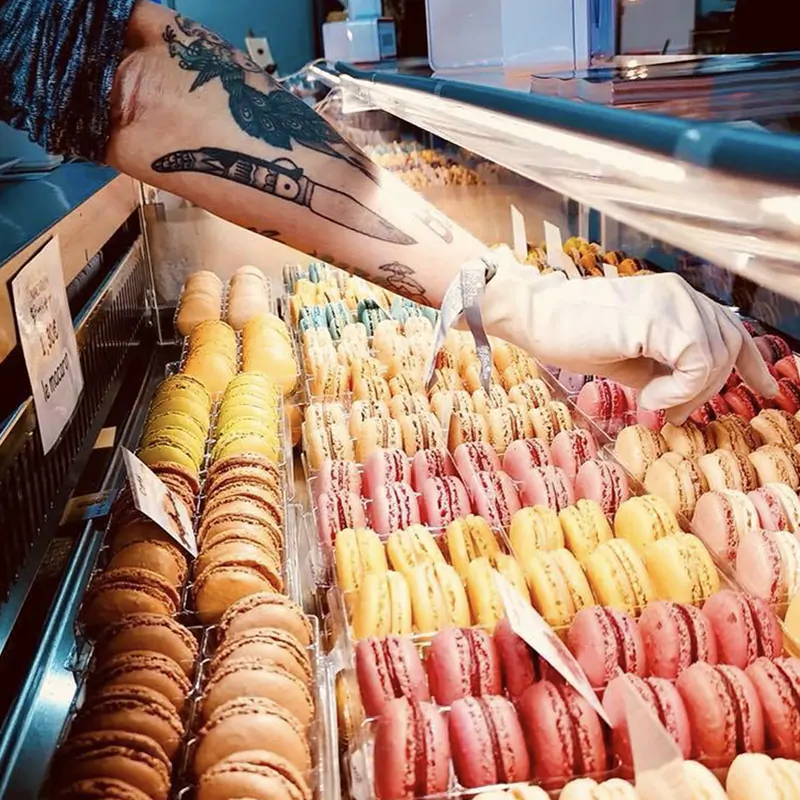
point(57, 65)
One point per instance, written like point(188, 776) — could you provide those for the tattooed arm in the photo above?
point(196, 117)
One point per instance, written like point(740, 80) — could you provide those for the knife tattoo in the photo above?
point(283, 179)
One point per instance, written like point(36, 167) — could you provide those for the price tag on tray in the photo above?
point(153, 499)
point(529, 625)
point(657, 760)
point(48, 341)
point(556, 257)
point(518, 235)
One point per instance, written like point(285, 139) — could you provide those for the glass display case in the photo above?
point(717, 202)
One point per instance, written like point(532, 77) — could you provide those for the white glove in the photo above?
point(653, 333)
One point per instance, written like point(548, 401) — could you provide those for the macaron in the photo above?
point(523, 455)
point(585, 528)
point(442, 500)
point(256, 773)
point(462, 662)
point(337, 511)
point(776, 427)
point(421, 767)
point(664, 701)
point(788, 397)
point(485, 601)
point(487, 742)
point(152, 632)
point(644, 520)
point(411, 548)
point(118, 593)
point(507, 424)
point(535, 528)
point(637, 448)
point(531, 393)
point(251, 723)
point(757, 775)
point(546, 486)
point(558, 585)
point(467, 539)
point(383, 606)
point(772, 348)
point(495, 498)
point(520, 665)
point(681, 569)
point(383, 467)
point(163, 558)
point(744, 626)
point(131, 758)
point(564, 734)
point(266, 610)
point(604, 482)
point(428, 464)
point(438, 598)
point(712, 409)
point(549, 420)
point(728, 469)
point(768, 565)
point(133, 709)
point(357, 552)
point(675, 636)
point(743, 401)
point(605, 640)
point(678, 481)
point(101, 789)
point(775, 463)
point(618, 577)
point(777, 683)
point(394, 507)
point(689, 440)
point(571, 449)
point(588, 789)
point(724, 711)
point(722, 518)
point(731, 432)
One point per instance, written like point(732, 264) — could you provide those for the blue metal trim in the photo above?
point(752, 153)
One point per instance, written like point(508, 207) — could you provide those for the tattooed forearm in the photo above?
point(284, 180)
point(274, 116)
point(267, 234)
point(400, 279)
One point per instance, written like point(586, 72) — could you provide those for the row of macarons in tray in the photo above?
point(551, 735)
point(165, 706)
point(427, 594)
point(205, 298)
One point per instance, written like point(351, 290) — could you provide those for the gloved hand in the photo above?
point(654, 333)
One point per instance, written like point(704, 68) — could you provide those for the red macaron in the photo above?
point(463, 662)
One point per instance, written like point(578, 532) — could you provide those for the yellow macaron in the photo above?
point(536, 528)
point(618, 577)
point(485, 600)
point(438, 599)
point(358, 552)
point(585, 528)
point(681, 569)
point(467, 539)
point(643, 520)
point(558, 586)
point(383, 606)
point(412, 548)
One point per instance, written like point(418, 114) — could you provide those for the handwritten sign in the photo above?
point(528, 624)
point(556, 257)
point(153, 499)
point(48, 341)
point(519, 237)
point(657, 760)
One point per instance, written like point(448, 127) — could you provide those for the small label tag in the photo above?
point(657, 760)
point(48, 341)
point(105, 439)
point(610, 271)
point(153, 499)
point(556, 257)
point(446, 415)
point(87, 506)
point(519, 237)
point(536, 633)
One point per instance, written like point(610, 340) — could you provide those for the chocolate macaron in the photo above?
point(268, 644)
point(255, 773)
point(100, 789)
point(266, 610)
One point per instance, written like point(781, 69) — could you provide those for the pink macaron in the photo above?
point(428, 464)
point(570, 450)
point(654, 420)
point(394, 507)
point(520, 665)
point(777, 506)
point(788, 397)
point(744, 402)
point(383, 466)
point(474, 457)
point(722, 518)
point(412, 746)
point(772, 348)
point(715, 408)
point(603, 400)
point(725, 715)
point(604, 482)
point(605, 640)
point(675, 636)
point(443, 500)
point(337, 476)
point(495, 498)
point(337, 511)
point(786, 367)
point(389, 668)
point(666, 704)
point(777, 684)
point(463, 662)
point(487, 742)
point(564, 734)
point(767, 564)
point(547, 486)
point(525, 454)
point(744, 626)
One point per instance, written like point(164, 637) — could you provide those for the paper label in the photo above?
point(610, 271)
point(556, 257)
point(87, 506)
point(446, 414)
point(657, 760)
point(153, 499)
point(105, 439)
point(519, 237)
point(48, 341)
point(527, 623)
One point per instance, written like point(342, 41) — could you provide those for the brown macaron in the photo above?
point(176, 475)
point(164, 558)
point(136, 529)
point(129, 757)
point(256, 677)
point(135, 709)
point(271, 644)
point(235, 524)
point(266, 610)
point(153, 632)
point(223, 584)
point(117, 593)
point(224, 467)
point(101, 789)
point(231, 548)
point(234, 514)
point(256, 774)
point(143, 668)
point(251, 723)
point(241, 493)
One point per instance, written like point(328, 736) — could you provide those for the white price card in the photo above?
point(519, 237)
point(153, 499)
point(610, 271)
point(48, 341)
point(529, 625)
point(556, 257)
point(657, 759)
